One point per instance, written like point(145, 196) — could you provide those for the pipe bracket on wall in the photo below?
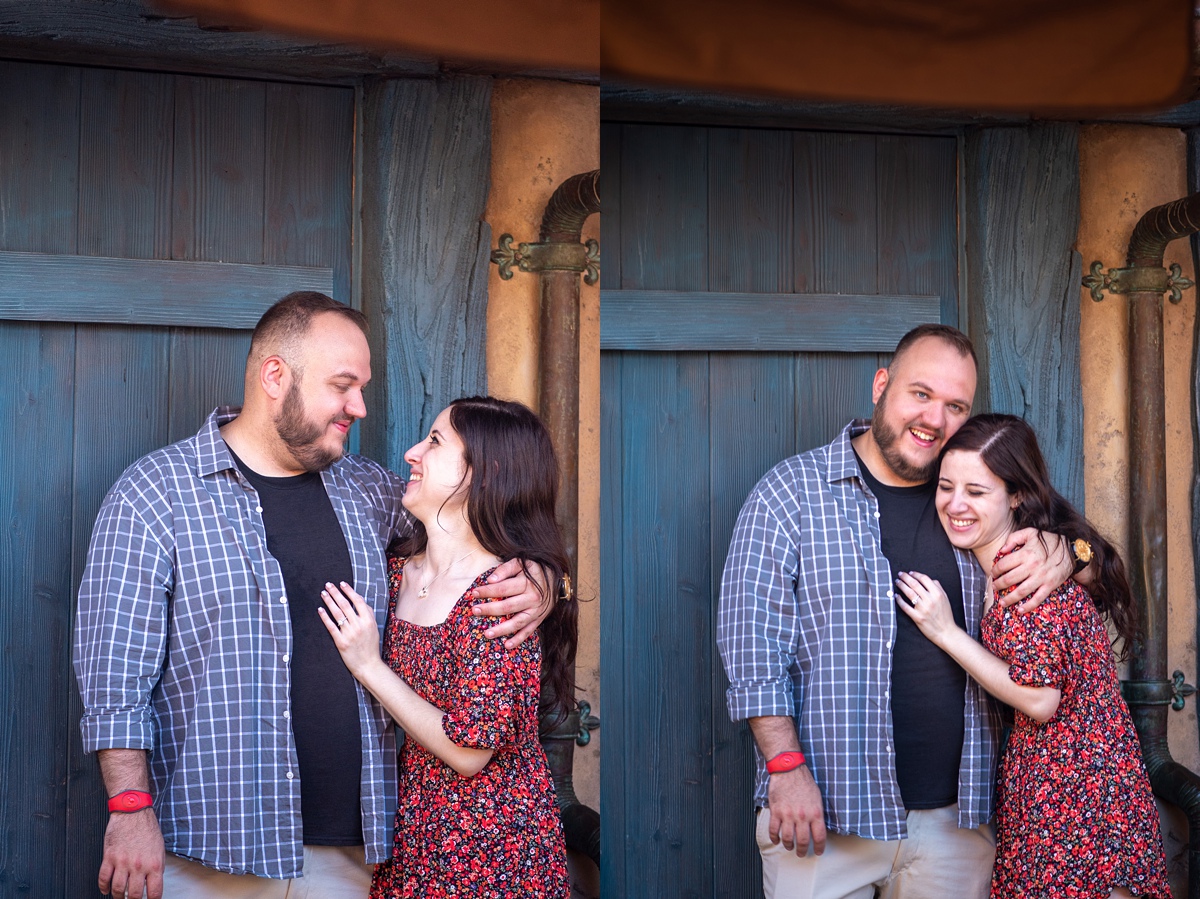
point(1137, 279)
point(1180, 691)
point(548, 256)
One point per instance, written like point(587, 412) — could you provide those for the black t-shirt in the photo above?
point(304, 536)
point(928, 687)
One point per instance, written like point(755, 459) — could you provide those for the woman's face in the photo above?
point(437, 482)
point(973, 504)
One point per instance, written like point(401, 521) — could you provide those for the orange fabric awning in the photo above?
point(556, 35)
point(1018, 55)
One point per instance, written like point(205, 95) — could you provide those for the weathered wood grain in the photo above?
point(126, 147)
point(425, 252)
point(844, 209)
point(1023, 285)
point(39, 157)
point(35, 602)
point(45, 287)
point(674, 321)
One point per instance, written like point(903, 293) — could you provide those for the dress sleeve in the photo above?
point(494, 685)
point(1033, 644)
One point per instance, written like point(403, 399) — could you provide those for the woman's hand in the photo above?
point(351, 623)
point(930, 607)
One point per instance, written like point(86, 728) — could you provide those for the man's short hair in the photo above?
point(950, 335)
point(286, 323)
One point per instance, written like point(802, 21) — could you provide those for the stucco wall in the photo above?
point(542, 133)
point(1125, 171)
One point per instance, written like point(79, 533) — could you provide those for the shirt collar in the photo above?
point(842, 461)
point(212, 454)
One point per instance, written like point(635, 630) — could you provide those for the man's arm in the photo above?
point(120, 644)
point(134, 856)
point(794, 799)
point(1036, 563)
point(522, 592)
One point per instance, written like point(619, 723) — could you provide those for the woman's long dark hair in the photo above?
point(1009, 449)
point(511, 498)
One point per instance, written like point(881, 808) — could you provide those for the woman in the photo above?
point(1075, 815)
point(477, 814)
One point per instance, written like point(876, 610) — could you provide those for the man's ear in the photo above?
point(274, 377)
point(879, 385)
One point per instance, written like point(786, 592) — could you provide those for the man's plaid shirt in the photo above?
point(806, 626)
point(183, 643)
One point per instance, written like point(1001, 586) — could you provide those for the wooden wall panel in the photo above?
point(831, 388)
point(843, 207)
point(218, 177)
point(1022, 188)
point(39, 157)
point(918, 228)
point(752, 406)
point(425, 252)
point(126, 147)
point(35, 603)
point(610, 202)
point(207, 370)
point(749, 210)
point(664, 208)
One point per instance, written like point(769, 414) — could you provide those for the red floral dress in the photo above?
point(496, 835)
point(1074, 812)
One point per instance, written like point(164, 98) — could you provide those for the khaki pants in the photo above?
point(330, 872)
point(937, 860)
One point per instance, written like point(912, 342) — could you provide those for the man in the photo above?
point(875, 752)
point(210, 686)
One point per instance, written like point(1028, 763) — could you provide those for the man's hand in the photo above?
point(1037, 564)
point(134, 856)
point(797, 817)
point(514, 589)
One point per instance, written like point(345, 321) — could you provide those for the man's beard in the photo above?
point(886, 439)
point(302, 435)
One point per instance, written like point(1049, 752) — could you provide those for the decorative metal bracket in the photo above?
point(1135, 279)
point(589, 722)
point(1180, 691)
point(548, 257)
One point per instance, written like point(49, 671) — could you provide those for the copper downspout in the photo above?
point(1148, 691)
point(558, 259)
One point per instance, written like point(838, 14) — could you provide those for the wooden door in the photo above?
point(146, 221)
point(754, 281)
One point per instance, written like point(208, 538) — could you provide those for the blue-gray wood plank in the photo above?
point(705, 224)
point(1022, 218)
point(133, 171)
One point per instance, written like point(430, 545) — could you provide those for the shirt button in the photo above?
point(258, 509)
point(287, 714)
point(890, 594)
point(876, 514)
point(286, 656)
point(290, 775)
point(887, 645)
point(283, 599)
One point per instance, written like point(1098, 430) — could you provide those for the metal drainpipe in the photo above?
point(558, 259)
point(1148, 691)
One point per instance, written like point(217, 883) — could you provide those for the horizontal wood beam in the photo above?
point(668, 321)
point(45, 287)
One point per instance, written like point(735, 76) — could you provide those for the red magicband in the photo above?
point(130, 801)
point(785, 761)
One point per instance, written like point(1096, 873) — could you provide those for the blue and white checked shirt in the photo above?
point(183, 643)
point(806, 626)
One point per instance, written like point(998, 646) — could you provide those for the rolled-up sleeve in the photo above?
point(121, 628)
point(757, 624)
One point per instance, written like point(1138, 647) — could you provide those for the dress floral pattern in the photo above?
point(496, 835)
point(1075, 815)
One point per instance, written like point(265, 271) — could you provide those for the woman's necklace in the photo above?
point(424, 591)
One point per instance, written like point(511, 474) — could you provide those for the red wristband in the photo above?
point(130, 801)
point(785, 761)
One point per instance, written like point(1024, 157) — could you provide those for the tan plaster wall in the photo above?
point(542, 133)
point(1125, 171)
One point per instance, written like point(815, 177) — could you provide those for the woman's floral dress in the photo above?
point(1074, 812)
point(496, 835)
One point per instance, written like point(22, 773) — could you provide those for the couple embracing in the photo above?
point(876, 591)
point(234, 679)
